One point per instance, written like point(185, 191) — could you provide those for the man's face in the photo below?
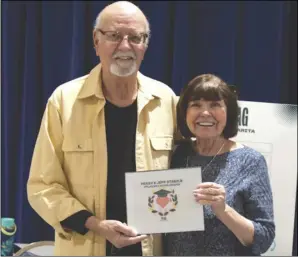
point(121, 57)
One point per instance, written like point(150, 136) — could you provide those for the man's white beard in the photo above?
point(119, 71)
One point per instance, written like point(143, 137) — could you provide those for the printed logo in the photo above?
point(163, 202)
point(243, 116)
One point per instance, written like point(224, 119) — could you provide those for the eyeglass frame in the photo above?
point(144, 36)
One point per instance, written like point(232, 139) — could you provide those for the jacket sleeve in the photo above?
point(76, 222)
point(177, 134)
point(47, 186)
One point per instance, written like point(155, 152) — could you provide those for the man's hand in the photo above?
point(118, 233)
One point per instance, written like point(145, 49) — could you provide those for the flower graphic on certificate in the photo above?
point(163, 202)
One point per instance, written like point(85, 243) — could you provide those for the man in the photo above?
point(94, 129)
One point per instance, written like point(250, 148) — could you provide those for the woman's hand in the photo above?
point(212, 194)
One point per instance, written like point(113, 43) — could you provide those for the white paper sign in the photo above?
point(163, 201)
point(271, 129)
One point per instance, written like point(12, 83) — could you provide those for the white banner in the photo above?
point(271, 129)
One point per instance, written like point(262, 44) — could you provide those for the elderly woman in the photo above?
point(235, 189)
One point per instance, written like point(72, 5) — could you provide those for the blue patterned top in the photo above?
point(243, 173)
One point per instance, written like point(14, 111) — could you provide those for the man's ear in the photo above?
point(95, 38)
point(95, 42)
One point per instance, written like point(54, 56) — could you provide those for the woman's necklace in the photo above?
point(214, 157)
point(211, 159)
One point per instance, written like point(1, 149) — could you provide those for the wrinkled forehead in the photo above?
point(124, 20)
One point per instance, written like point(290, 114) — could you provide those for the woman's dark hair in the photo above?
point(210, 88)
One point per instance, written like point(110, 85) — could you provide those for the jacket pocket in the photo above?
point(78, 161)
point(161, 147)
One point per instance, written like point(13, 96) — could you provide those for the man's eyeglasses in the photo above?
point(115, 36)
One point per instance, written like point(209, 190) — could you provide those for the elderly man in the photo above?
point(94, 129)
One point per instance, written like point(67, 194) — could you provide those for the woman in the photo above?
point(236, 191)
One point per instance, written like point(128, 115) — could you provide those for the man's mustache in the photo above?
point(124, 54)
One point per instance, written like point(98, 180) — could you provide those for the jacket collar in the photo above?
point(93, 85)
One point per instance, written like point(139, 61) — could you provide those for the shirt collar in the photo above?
point(93, 85)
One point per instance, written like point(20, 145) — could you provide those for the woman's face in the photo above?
point(206, 119)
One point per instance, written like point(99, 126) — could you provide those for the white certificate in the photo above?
point(163, 202)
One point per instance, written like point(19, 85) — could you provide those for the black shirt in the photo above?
point(121, 132)
point(120, 125)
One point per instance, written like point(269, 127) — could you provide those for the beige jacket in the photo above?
point(69, 166)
